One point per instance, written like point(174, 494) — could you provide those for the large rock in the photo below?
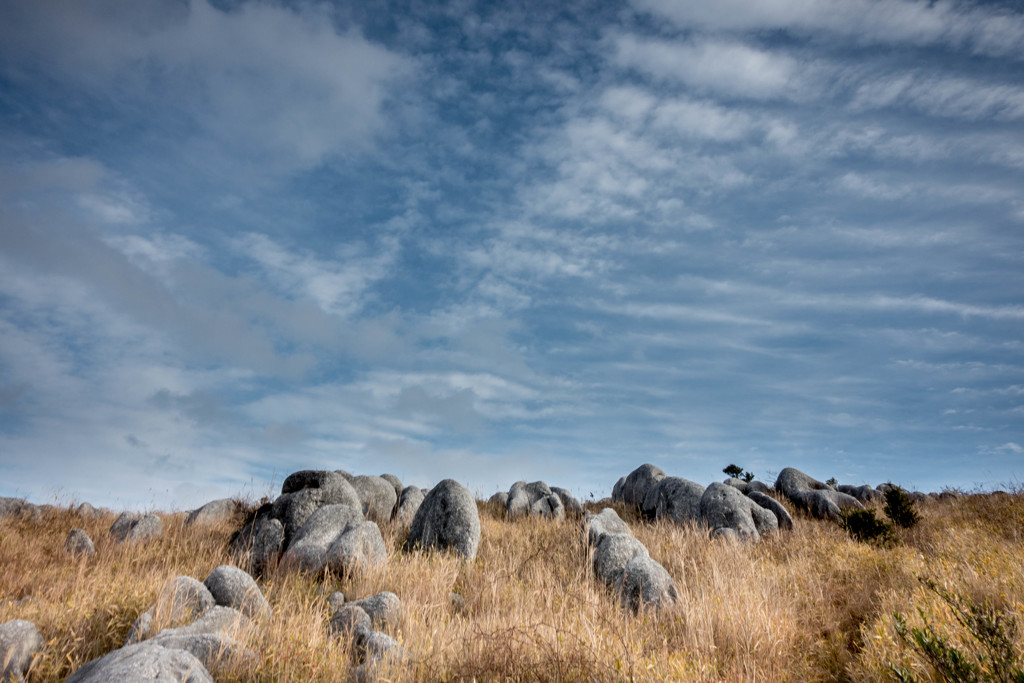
point(447, 520)
point(634, 488)
point(18, 507)
point(723, 506)
point(358, 548)
point(306, 491)
point(213, 512)
point(180, 602)
point(617, 490)
point(145, 529)
point(79, 544)
point(782, 515)
point(384, 609)
point(758, 487)
point(123, 525)
point(572, 506)
point(864, 494)
point(20, 640)
point(408, 503)
point(378, 497)
point(232, 587)
point(675, 499)
point(395, 482)
point(736, 483)
point(535, 498)
point(258, 544)
point(646, 584)
point(596, 527)
point(613, 553)
point(308, 548)
point(815, 497)
point(130, 527)
point(350, 621)
point(146, 661)
point(499, 499)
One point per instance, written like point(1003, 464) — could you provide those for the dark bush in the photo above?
point(899, 507)
point(864, 526)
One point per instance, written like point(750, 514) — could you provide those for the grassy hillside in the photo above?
point(810, 605)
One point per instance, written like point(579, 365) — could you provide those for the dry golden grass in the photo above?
point(811, 605)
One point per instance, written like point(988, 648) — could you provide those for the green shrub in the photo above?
point(864, 526)
point(899, 507)
point(993, 630)
point(832, 481)
point(733, 470)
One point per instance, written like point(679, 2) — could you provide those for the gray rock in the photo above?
point(358, 548)
point(536, 498)
point(145, 529)
point(675, 499)
point(817, 498)
point(351, 621)
point(380, 647)
point(87, 510)
point(20, 640)
point(384, 609)
point(646, 584)
point(724, 506)
point(213, 512)
point(596, 527)
point(142, 628)
point(230, 586)
point(447, 520)
point(757, 486)
point(613, 553)
point(182, 600)
point(308, 549)
point(305, 492)
point(782, 515)
point(499, 499)
point(736, 484)
point(725, 533)
point(395, 482)
point(348, 475)
point(18, 507)
point(123, 525)
point(378, 497)
point(208, 648)
point(634, 489)
point(617, 490)
point(569, 502)
point(864, 494)
point(257, 545)
point(217, 620)
point(336, 601)
point(408, 503)
point(148, 662)
point(78, 543)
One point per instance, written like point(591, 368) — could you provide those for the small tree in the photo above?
point(832, 481)
point(733, 470)
point(864, 526)
point(899, 507)
point(748, 476)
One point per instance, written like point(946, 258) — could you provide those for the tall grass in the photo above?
point(810, 605)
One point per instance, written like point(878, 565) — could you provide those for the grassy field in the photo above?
point(809, 605)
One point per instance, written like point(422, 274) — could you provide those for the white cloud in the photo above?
point(941, 95)
point(729, 67)
point(264, 82)
point(986, 29)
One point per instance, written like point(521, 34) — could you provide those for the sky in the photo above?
point(510, 240)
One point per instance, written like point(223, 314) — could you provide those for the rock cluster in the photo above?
point(815, 497)
point(203, 622)
point(537, 498)
point(364, 625)
point(319, 520)
point(623, 563)
point(733, 509)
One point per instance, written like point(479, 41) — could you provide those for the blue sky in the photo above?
point(508, 241)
